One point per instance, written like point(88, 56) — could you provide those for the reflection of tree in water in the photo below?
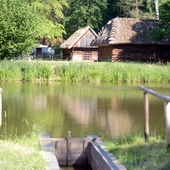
point(102, 112)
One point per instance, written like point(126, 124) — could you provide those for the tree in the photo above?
point(111, 11)
point(18, 28)
point(51, 15)
point(136, 8)
point(164, 28)
point(82, 13)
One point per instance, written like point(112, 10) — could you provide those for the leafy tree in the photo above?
point(136, 8)
point(18, 28)
point(164, 31)
point(111, 11)
point(82, 13)
point(51, 13)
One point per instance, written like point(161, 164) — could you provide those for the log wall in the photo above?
point(127, 53)
point(84, 54)
point(105, 53)
point(133, 53)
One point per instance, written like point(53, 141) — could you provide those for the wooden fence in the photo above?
point(166, 100)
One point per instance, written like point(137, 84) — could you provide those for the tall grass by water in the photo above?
point(67, 71)
point(21, 152)
point(136, 154)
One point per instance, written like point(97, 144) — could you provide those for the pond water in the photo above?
point(83, 109)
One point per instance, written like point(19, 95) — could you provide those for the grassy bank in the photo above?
point(84, 72)
point(21, 153)
point(135, 154)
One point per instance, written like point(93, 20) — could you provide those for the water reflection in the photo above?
point(108, 110)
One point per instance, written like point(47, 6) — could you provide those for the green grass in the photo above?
point(135, 154)
point(21, 153)
point(100, 72)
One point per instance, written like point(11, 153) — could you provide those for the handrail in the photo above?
point(156, 94)
point(166, 100)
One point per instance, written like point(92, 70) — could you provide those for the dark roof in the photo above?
point(70, 42)
point(128, 31)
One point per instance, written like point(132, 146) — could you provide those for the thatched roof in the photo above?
point(127, 31)
point(75, 37)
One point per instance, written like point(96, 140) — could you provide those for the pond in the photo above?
point(84, 109)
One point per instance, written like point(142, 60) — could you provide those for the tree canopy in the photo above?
point(18, 28)
point(51, 14)
point(164, 30)
point(82, 13)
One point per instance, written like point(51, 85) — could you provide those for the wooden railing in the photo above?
point(166, 100)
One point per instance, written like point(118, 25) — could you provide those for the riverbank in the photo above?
point(135, 154)
point(131, 151)
point(94, 72)
point(21, 153)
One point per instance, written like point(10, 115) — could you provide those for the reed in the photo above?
point(102, 72)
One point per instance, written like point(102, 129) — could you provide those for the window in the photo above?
point(86, 55)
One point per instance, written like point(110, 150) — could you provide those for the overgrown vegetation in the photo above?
point(18, 28)
point(21, 152)
point(135, 154)
point(102, 72)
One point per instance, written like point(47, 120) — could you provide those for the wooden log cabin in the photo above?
point(77, 47)
point(129, 39)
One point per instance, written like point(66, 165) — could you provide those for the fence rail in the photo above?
point(166, 100)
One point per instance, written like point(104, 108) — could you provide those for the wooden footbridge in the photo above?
point(78, 152)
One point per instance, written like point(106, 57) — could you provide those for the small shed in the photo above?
point(129, 39)
point(78, 46)
point(43, 51)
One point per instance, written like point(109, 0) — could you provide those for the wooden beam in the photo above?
point(146, 128)
point(167, 122)
point(160, 96)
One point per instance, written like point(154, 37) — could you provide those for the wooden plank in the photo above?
point(146, 128)
point(60, 146)
point(167, 122)
point(101, 160)
point(48, 153)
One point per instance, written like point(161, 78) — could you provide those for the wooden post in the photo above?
point(0, 106)
point(167, 122)
point(146, 128)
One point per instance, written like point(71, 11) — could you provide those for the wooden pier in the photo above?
point(80, 152)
